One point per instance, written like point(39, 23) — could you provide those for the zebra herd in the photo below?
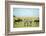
point(26, 21)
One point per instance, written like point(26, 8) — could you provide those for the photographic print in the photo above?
point(25, 17)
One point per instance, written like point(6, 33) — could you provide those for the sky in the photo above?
point(25, 12)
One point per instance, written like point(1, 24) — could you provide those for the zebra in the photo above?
point(27, 21)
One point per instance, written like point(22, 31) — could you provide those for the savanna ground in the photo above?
point(21, 22)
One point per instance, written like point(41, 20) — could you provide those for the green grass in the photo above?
point(22, 24)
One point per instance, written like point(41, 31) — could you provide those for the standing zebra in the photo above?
point(26, 22)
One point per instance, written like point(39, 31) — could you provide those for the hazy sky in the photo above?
point(25, 11)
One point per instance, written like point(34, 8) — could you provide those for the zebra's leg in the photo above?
point(24, 24)
point(37, 23)
point(27, 24)
point(30, 23)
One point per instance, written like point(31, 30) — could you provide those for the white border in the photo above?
point(24, 29)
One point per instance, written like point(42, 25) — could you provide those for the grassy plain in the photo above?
point(21, 22)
